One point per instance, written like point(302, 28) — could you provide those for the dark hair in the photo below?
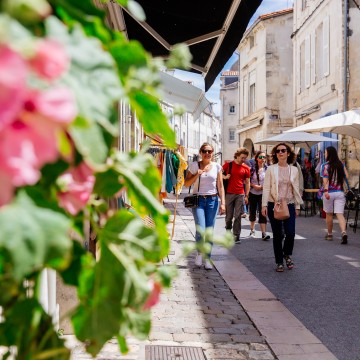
point(240, 151)
point(257, 165)
point(336, 167)
point(291, 157)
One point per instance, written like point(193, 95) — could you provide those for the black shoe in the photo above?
point(265, 237)
point(237, 239)
point(344, 238)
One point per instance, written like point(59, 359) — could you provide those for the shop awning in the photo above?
point(175, 91)
point(212, 29)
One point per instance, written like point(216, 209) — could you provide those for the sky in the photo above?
point(213, 94)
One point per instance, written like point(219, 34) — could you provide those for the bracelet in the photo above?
point(326, 190)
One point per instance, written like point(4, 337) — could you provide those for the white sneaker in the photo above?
point(252, 233)
point(208, 265)
point(198, 260)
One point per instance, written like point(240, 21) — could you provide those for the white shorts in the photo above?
point(336, 203)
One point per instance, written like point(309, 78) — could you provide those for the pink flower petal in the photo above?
point(154, 296)
point(13, 72)
point(55, 104)
point(78, 186)
point(50, 60)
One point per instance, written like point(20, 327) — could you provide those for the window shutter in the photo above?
point(298, 71)
point(326, 46)
point(313, 57)
point(307, 61)
point(246, 93)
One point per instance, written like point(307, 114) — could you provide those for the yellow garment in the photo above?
point(180, 178)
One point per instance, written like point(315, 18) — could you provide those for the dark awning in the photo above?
point(212, 29)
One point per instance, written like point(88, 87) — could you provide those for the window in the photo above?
point(301, 77)
point(252, 98)
point(231, 135)
point(326, 46)
point(252, 92)
point(232, 109)
point(251, 41)
point(307, 61)
point(319, 52)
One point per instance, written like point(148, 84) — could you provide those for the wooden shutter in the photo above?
point(307, 61)
point(313, 57)
point(326, 46)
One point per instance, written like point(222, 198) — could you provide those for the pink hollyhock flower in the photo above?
point(154, 296)
point(18, 156)
point(76, 187)
point(6, 188)
point(56, 105)
point(50, 60)
point(13, 72)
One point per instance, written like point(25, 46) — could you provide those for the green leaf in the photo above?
point(90, 142)
point(107, 183)
point(29, 328)
point(128, 55)
point(72, 273)
point(152, 118)
point(94, 80)
point(33, 237)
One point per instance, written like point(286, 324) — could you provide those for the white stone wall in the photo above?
point(229, 96)
point(266, 54)
point(324, 89)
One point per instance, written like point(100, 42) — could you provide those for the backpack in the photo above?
point(226, 181)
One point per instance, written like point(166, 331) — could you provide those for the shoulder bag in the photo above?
point(192, 201)
point(226, 181)
point(281, 208)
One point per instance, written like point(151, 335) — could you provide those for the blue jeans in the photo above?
point(205, 214)
point(281, 228)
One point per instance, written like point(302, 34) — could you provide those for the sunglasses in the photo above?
point(281, 151)
point(261, 157)
point(207, 151)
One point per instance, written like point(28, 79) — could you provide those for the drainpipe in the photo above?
point(346, 16)
point(238, 54)
point(346, 54)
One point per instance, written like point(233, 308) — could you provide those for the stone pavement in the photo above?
point(226, 311)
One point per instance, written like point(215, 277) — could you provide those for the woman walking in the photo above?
point(257, 176)
point(282, 182)
point(206, 176)
point(334, 176)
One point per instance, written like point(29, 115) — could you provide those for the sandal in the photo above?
point(279, 268)
point(289, 262)
point(328, 237)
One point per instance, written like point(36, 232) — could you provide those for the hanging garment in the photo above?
point(170, 173)
point(180, 177)
point(176, 162)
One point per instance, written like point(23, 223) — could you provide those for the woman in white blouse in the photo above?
point(282, 182)
point(206, 176)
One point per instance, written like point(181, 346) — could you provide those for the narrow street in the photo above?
point(322, 290)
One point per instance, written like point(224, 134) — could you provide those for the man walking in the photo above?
point(236, 196)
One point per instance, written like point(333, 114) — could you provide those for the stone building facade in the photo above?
point(266, 79)
point(327, 69)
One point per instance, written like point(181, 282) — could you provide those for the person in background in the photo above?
point(236, 196)
point(282, 182)
point(334, 174)
point(209, 174)
point(257, 176)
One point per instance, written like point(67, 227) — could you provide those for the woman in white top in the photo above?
point(209, 174)
point(282, 182)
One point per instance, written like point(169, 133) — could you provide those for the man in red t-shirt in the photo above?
point(236, 196)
